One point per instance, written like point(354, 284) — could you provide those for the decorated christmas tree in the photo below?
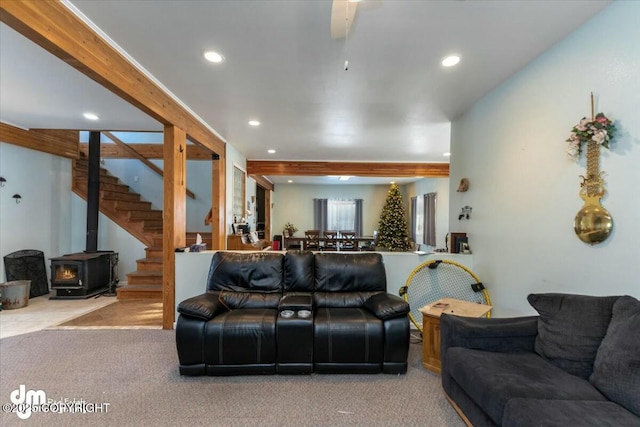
point(392, 228)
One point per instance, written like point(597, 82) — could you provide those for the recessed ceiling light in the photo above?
point(271, 151)
point(446, 154)
point(450, 61)
point(254, 123)
point(90, 116)
point(290, 181)
point(212, 56)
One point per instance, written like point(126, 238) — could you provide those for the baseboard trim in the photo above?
point(458, 410)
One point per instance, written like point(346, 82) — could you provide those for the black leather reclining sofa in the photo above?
point(293, 313)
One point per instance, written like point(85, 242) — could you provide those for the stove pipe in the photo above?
point(93, 192)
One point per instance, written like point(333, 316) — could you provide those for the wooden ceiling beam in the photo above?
point(51, 25)
point(263, 182)
point(370, 169)
point(58, 142)
point(150, 151)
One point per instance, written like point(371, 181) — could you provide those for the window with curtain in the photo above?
point(423, 219)
point(338, 215)
point(239, 189)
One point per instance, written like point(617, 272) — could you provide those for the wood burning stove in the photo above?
point(93, 272)
point(84, 274)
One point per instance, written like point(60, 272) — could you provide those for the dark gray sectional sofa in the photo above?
point(575, 364)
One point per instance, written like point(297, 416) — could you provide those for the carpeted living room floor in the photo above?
point(135, 372)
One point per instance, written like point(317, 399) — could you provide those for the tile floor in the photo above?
point(42, 313)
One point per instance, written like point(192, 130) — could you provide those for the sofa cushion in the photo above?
point(571, 328)
point(355, 272)
point(298, 271)
point(246, 271)
point(616, 370)
point(241, 337)
point(235, 300)
point(491, 379)
point(347, 335)
point(521, 412)
point(341, 299)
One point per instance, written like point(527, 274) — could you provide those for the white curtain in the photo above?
point(338, 215)
point(341, 215)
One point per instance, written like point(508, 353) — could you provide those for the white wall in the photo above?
point(523, 188)
point(50, 218)
point(43, 218)
point(234, 158)
point(251, 192)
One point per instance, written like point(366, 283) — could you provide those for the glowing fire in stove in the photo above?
point(67, 274)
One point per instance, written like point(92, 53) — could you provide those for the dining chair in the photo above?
point(312, 240)
point(330, 240)
point(348, 241)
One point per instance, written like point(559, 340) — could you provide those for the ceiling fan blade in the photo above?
point(342, 14)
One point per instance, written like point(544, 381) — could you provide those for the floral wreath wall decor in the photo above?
point(592, 223)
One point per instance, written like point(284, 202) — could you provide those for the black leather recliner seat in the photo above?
point(298, 313)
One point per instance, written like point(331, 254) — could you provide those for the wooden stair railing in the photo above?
point(132, 151)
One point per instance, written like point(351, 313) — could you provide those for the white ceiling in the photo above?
point(282, 67)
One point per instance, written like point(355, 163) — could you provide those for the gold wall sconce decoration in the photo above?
point(593, 223)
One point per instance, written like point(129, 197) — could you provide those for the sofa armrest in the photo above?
point(386, 306)
point(502, 334)
point(205, 306)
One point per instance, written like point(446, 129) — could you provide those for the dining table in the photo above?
point(302, 241)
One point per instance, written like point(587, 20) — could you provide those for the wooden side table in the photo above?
point(431, 326)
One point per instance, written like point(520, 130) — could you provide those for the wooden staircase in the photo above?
point(126, 208)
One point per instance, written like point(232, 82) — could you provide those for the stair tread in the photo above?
point(150, 260)
point(140, 287)
point(149, 292)
point(145, 273)
point(152, 211)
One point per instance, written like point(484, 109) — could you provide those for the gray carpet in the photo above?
point(136, 372)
